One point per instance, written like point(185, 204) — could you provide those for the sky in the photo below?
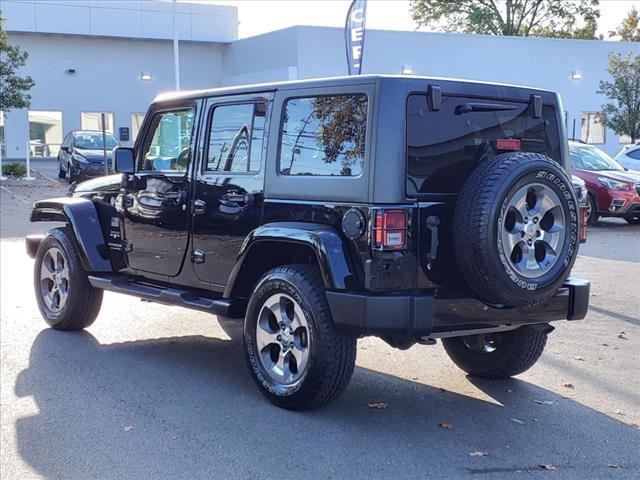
point(260, 16)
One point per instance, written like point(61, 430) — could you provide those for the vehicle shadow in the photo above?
point(186, 407)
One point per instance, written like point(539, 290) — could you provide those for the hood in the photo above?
point(630, 176)
point(93, 155)
point(99, 184)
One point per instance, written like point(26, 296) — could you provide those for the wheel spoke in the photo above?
point(277, 308)
point(519, 203)
point(297, 318)
point(46, 269)
point(281, 366)
point(301, 358)
point(510, 241)
point(265, 338)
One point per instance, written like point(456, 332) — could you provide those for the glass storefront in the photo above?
point(45, 133)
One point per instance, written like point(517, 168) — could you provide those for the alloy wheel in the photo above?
point(54, 279)
point(532, 230)
point(282, 339)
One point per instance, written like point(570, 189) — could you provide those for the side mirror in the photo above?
point(125, 160)
point(65, 148)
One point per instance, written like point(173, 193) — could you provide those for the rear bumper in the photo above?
point(426, 314)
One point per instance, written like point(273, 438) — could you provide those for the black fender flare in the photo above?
point(81, 216)
point(329, 248)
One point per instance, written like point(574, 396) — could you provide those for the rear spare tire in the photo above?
point(515, 229)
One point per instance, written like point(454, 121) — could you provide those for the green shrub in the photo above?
point(14, 169)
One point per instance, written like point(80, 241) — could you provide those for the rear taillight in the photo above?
point(508, 144)
point(389, 230)
point(584, 217)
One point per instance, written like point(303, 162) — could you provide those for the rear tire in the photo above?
point(498, 355)
point(295, 354)
point(66, 299)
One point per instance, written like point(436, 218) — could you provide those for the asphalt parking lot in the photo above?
point(151, 391)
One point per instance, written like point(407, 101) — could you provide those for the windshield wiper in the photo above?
point(482, 107)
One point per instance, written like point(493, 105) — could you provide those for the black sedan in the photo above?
point(82, 154)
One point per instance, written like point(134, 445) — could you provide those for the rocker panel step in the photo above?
point(160, 294)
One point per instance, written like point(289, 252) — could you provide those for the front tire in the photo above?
point(61, 172)
point(295, 354)
point(66, 299)
point(633, 220)
point(497, 355)
point(592, 211)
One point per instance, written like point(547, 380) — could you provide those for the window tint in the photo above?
point(167, 144)
point(236, 138)
point(324, 136)
point(445, 146)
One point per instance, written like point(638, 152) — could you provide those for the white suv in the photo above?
point(629, 156)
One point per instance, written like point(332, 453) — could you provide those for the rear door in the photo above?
point(229, 182)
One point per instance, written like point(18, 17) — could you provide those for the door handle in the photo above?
point(237, 197)
point(177, 196)
point(128, 200)
point(198, 207)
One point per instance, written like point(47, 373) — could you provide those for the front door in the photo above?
point(155, 204)
point(229, 183)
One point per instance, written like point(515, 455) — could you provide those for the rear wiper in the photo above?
point(482, 107)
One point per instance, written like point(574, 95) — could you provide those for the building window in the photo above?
point(45, 133)
point(93, 121)
point(236, 138)
point(324, 136)
point(592, 128)
point(136, 125)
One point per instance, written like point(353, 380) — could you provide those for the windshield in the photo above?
point(93, 141)
point(585, 157)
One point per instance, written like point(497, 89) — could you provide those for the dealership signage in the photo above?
point(354, 35)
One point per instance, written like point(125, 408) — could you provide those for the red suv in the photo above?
point(614, 191)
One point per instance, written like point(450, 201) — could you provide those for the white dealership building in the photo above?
point(90, 57)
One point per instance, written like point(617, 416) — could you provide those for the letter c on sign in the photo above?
point(357, 16)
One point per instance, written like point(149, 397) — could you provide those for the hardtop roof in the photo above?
point(325, 82)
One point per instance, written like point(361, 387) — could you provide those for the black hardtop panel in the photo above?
point(404, 82)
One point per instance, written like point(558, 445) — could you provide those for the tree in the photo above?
point(547, 18)
point(629, 29)
point(13, 87)
point(622, 112)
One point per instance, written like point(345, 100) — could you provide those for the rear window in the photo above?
point(323, 136)
point(445, 146)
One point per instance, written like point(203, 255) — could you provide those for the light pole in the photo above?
point(176, 53)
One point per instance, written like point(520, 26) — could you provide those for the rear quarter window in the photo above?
point(445, 146)
point(323, 136)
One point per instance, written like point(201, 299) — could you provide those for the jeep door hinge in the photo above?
point(197, 256)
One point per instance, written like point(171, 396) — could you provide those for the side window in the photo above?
point(167, 144)
point(323, 136)
point(635, 154)
point(236, 138)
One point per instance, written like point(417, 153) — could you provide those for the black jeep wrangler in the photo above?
point(410, 208)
